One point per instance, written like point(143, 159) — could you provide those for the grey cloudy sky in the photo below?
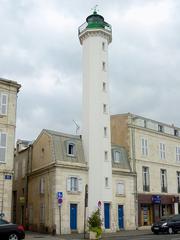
point(39, 48)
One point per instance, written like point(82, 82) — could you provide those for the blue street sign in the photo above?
point(59, 195)
point(7, 177)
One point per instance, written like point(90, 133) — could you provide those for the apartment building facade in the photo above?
point(58, 165)
point(8, 103)
point(154, 155)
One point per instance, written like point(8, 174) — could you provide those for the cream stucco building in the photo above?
point(55, 163)
point(154, 155)
point(8, 102)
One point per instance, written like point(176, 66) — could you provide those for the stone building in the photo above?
point(22, 168)
point(57, 164)
point(154, 155)
point(8, 102)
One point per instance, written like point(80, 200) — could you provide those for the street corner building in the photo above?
point(8, 103)
point(154, 155)
point(55, 163)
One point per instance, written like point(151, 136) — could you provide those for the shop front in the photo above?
point(152, 207)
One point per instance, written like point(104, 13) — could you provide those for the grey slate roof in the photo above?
point(60, 141)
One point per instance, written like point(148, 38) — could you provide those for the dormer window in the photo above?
point(160, 128)
point(71, 149)
point(176, 133)
point(116, 156)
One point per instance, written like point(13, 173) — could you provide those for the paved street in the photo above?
point(124, 235)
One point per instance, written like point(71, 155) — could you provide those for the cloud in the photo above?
point(40, 49)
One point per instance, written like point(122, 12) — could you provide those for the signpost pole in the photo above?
point(60, 219)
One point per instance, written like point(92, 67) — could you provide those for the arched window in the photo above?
point(117, 156)
point(71, 148)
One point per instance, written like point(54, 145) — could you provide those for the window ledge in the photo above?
point(120, 195)
point(74, 193)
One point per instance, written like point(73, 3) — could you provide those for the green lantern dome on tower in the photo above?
point(95, 21)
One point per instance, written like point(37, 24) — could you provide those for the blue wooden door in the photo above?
point(107, 215)
point(121, 216)
point(73, 216)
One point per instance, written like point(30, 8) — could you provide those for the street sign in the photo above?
point(99, 204)
point(8, 177)
point(59, 195)
point(60, 200)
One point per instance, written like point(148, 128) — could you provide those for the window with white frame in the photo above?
point(74, 184)
point(120, 188)
point(163, 173)
point(178, 154)
point(178, 181)
point(117, 156)
point(162, 151)
point(71, 148)
point(42, 213)
point(144, 146)
point(146, 186)
point(42, 185)
point(3, 103)
point(3, 140)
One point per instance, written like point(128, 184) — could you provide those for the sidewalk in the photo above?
point(79, 236)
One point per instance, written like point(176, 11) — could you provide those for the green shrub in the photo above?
point(95, 223)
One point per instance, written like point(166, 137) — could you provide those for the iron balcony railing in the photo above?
point(97, 25)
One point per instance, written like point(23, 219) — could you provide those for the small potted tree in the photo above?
point(95, 225)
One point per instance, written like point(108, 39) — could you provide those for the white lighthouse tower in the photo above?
point(95, 35)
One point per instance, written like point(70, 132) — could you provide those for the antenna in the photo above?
point(77, 127)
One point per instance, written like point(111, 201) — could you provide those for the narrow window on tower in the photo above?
point(106, 182)
point(104, 86)
point(104, 66)
point(105, 131)
point(103, 46)
point(106, 155)
point(104, 108)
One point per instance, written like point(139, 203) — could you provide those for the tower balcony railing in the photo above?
point(97, 25)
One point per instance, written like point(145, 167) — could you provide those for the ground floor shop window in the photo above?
point(146, 215)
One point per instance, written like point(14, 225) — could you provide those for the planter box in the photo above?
point(92, 235)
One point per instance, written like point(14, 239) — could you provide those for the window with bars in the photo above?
point(144, 146)
point(146, 185)
point(162, 151)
